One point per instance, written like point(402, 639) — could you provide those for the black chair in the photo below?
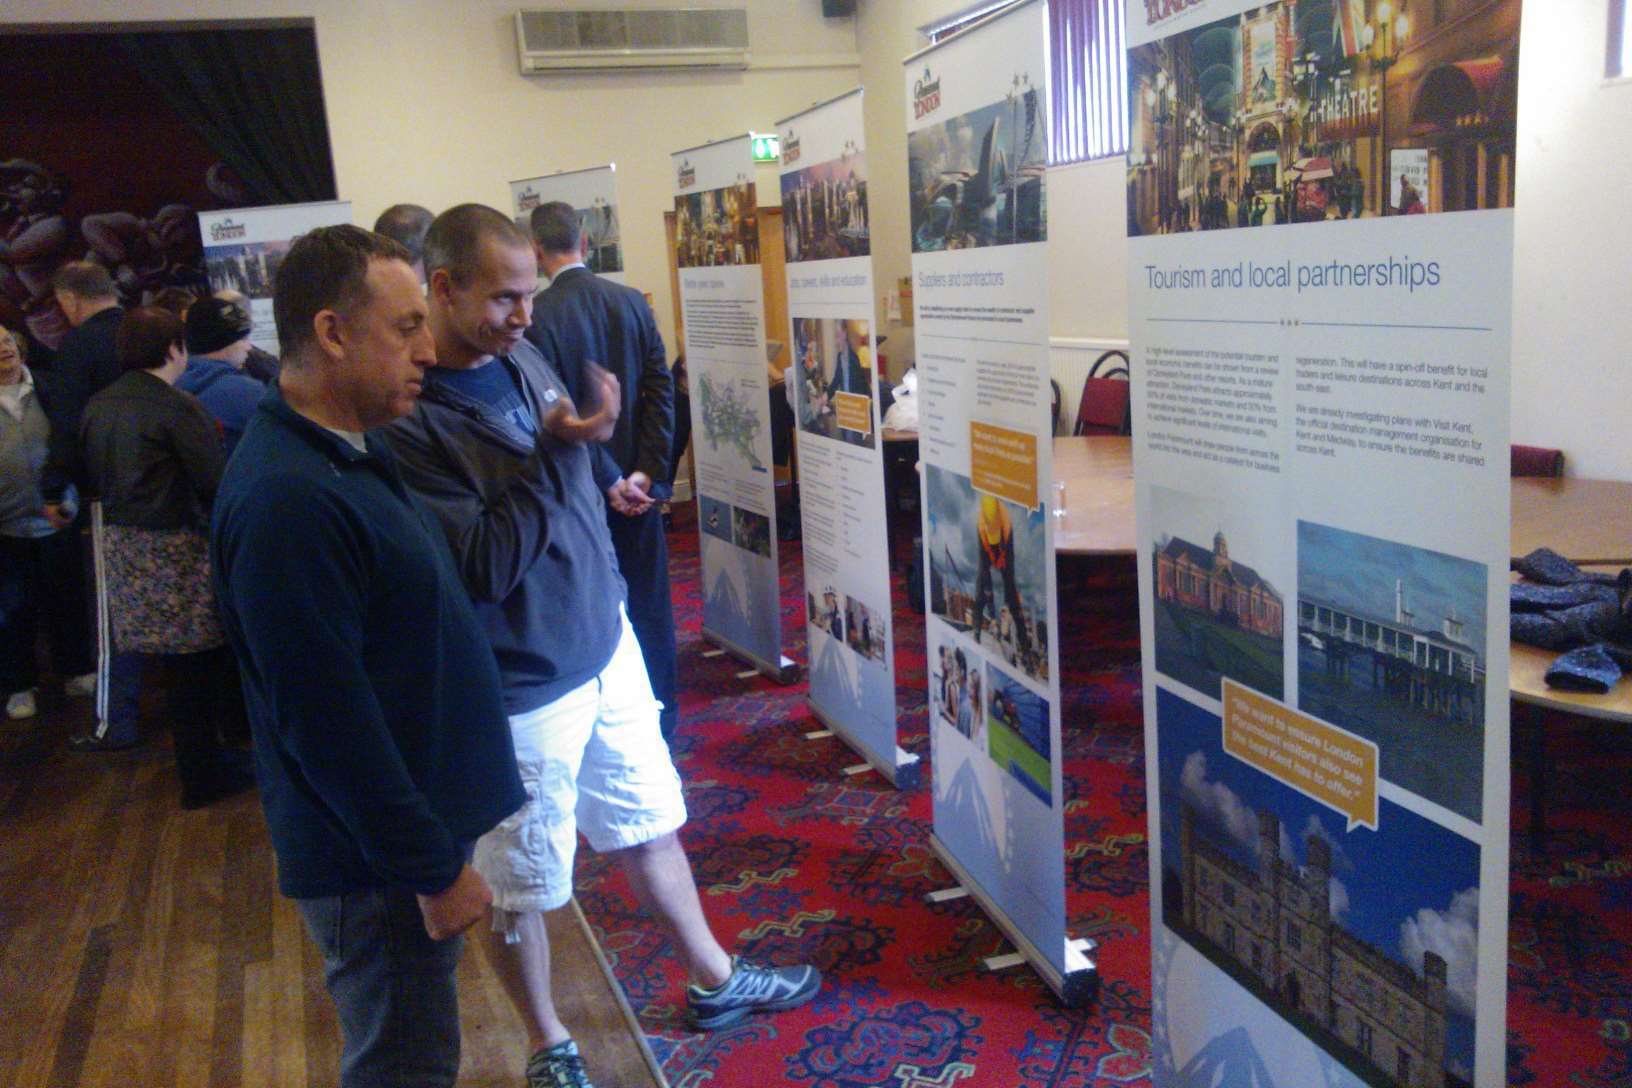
point(1054, 409)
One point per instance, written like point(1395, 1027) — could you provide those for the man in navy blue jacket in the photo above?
point(381, 743)
point(586, 321)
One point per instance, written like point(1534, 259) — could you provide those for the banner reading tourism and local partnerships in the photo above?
point(977, 136)
point(243, 248)
point(1321, 281)
point(833, 384)
point(593, 194)
point(722, 306)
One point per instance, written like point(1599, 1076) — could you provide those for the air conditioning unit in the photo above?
point(631, 38)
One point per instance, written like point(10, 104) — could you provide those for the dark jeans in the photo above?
point(643, 559)
point(42, 584)
point(206, 705)
point(392, 986)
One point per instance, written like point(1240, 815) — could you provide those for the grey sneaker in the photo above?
point(752, 988)
point(558, 1066)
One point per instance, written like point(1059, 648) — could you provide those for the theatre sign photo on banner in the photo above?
point(243, 248)
point(832, 384)
point(722, 309)
point(593, 194)
point(1320, 208)
point(976, 138)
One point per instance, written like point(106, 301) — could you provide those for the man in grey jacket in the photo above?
point(516, 475)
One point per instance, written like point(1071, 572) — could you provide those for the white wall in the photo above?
point(426, 105)
point(1572, 321)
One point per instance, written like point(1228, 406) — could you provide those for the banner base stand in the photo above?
point(946, 895)
point(785, 672)
point(818, 734)
point(1076, 987)
point(905, 774)
point(714, 653)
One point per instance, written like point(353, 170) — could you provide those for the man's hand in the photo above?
point(567, 426)
point(457, 907)
point(55, 515)
point(629, 495)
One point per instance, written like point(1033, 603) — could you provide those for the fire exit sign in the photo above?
point(767, 147)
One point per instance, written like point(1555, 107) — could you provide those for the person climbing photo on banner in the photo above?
point(996, 532)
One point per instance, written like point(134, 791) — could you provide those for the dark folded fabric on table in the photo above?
point(1588, 668)
point(1551, 569)
point(1530, 597)
point(1586, 613)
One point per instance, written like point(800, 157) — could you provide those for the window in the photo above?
point(1364, 1041)
point(1619, 61)
point(1294, 936)
point(1088, 75)
point(1402, 1068)
point(1229, 938)
point(1227, 891)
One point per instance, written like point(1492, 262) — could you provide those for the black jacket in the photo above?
point(527, 524)
point(582, 318)
point(152, 454)
point(86, 364)
point(381, 746)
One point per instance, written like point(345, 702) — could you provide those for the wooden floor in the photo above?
point(142, 946)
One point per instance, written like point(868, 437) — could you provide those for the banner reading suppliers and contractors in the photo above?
point(1321, 282)
point(593, 194)
point(722, 304)
point(977, 133)
point(243, 248)
point(833, 383)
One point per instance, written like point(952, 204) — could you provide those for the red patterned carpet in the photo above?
point(797, 862)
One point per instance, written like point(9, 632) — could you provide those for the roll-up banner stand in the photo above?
point(593, 194)
point(722, 305)
point(1321, 282)
point(243, 248)
point(832, 385)
point(977, 137)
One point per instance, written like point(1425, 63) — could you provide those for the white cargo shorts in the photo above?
point(594, 761)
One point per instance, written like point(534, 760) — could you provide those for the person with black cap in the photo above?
point(217, 345)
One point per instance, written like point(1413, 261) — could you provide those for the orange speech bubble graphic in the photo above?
point(1319, 760)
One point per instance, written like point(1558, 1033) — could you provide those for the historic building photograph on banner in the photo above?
point(1307, 110)
point(1266, 884)
point(1391, 647)
point(1217, 609)
point(977, 179)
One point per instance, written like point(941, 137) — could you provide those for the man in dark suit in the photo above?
point(583, 318)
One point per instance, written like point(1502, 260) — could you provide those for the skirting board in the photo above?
point(906, 774)
point(1077, 988)
point(616, 987)
point(784, 673)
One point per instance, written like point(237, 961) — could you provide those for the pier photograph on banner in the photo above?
point(722, 309)
point(1321, 424)
point(832, 383)
point(243, 248)
point(977, 125)
point(593, 194)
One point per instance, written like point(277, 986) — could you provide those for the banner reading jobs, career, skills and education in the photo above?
point(722, 308)
point(832, 385)
point(593, 194)
point(243, 248)
point(977, 137)
point(1321, 283)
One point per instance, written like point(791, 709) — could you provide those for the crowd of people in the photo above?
point(411, 582)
